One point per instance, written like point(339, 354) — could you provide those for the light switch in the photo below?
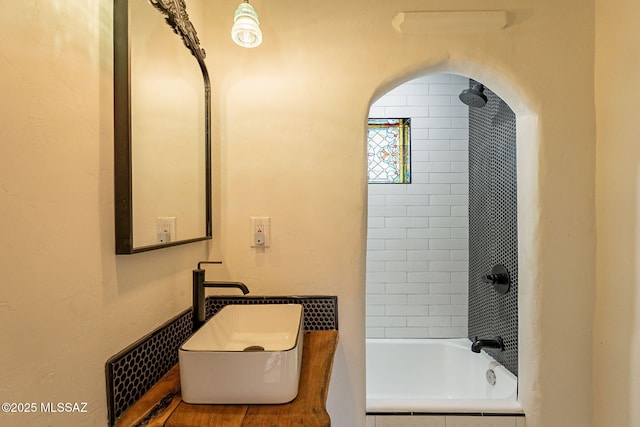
point(260, 231)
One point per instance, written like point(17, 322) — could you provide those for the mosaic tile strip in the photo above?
point(134, 370)
point(493, 226)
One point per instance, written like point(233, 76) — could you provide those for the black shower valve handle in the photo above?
point(494, 279)
point(499, 278)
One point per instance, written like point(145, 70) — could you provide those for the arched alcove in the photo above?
point(527, 201)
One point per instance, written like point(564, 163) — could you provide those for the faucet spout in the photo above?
point(480, 343)
point(199, 285)
point(238, 285)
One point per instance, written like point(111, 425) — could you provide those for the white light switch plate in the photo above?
point(260, 231)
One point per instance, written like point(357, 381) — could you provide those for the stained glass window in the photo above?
point(388, 151)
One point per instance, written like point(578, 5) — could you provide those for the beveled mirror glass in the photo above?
point(162, 127)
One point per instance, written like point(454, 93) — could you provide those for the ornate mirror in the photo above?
point(162, 117)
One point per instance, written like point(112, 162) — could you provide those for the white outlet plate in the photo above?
point(260, 223)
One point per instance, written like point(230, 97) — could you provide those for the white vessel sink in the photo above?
point(245, 354)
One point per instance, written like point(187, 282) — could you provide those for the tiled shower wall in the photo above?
point(494, 225)
point(417, 246)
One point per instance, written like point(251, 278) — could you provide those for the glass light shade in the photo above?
point(246, 27)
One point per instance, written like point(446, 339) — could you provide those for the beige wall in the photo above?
point(617, 322)
point(67, 303)
point(282, 149)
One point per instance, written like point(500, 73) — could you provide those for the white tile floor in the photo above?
point(443, 421)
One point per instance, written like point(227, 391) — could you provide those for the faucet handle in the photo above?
point(499, 279)
point(208, 262)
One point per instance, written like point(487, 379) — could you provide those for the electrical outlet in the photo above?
point(166, 229)
point(260, 226)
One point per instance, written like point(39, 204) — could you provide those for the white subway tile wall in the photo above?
point(417, 245)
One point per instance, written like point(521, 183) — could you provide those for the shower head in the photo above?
point(474, 97)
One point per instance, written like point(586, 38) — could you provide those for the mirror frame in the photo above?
point(176, 17)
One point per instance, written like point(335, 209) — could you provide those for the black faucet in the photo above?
point(479, 344)
point(199, 284)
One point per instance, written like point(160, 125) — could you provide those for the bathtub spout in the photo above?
point(480, 343)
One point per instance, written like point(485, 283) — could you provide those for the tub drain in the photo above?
point(254, 348)
point(491, 376)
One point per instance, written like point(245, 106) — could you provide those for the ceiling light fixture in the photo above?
point(246, 27)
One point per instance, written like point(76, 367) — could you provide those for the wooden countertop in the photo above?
point(162, 406)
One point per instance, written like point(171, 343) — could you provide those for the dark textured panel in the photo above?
point(493, 227)
point(133, 371)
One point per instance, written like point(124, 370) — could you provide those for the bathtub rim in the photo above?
point(395, 406)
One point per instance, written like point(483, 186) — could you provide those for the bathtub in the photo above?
point(436, 376)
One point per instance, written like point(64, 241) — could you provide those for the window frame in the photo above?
point(403, 125)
